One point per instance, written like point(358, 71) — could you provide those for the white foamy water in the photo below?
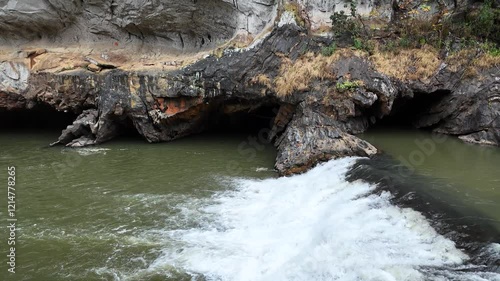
point(86, 151)
point(314, 226)
point(263, 169)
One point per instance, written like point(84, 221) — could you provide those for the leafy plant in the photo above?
point(340, 23)
point(404, 42)
point(425, 8)
point(346, 24)
point(490, 48)
point(495, 52)
point(484, 22)
point(347, 85)
point(358, 44)
point(363, 45)
point(329, 50)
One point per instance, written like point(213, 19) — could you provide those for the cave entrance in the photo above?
point(40, 117)
point(243, 117)
point(125, 130)
point(407, 111)
point(128, 130)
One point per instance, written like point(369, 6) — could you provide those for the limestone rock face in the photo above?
point(34, 18)
point(195, 23)
point(186, 24)
point(312, 125)
point(13, 81)
point(13, 77)
point(471, 112)
point(319, 11)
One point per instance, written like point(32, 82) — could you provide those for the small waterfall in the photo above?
point(314, 226)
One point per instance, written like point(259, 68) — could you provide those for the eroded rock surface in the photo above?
point(314, 136)
point(186, 25)
point(315, 122)
point(81, 132)
point(471, 112)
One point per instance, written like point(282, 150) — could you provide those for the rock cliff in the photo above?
point(323, 100)
point(163, 24)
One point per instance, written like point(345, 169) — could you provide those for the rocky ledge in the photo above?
point(322, 101)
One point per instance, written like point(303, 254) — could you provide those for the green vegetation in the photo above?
point(358, 44)
point(343, 24)
point(418, 27)
point(419, 39)
point(489, 48)
point(484, 24)
point(444, 30)
point(329, 50)
point(495, 52)
point(363, 45)
point(348, 85)
point(352, 26)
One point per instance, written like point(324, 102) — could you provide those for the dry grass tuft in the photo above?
point(263, 80)
point(486, 61)
point(240, 41)
point(324, 28)
point(298, 75)
point(471, 62)
point(459, 59)
point(414, 64)
point(411, 64)
point(463, 60)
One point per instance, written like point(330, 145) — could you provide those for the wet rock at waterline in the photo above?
point(312, 137)
point(81, 132)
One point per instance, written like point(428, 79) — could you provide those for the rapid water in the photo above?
point(197, 209)
point(314, 226)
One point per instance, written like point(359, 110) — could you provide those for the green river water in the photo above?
point(202, 209)
point(466, 176)
point(84, 211)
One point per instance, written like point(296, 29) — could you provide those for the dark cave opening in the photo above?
point(406, 112)
point(39, 117)
point(127, 130)
point(236, 117)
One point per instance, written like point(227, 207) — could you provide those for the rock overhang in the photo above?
point(185, 25)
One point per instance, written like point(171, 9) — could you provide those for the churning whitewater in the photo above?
point(314, 226)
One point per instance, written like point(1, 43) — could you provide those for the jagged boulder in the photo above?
point(81, 132)
point(312, 137)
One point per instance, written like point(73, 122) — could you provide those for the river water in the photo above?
point(198, 209)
